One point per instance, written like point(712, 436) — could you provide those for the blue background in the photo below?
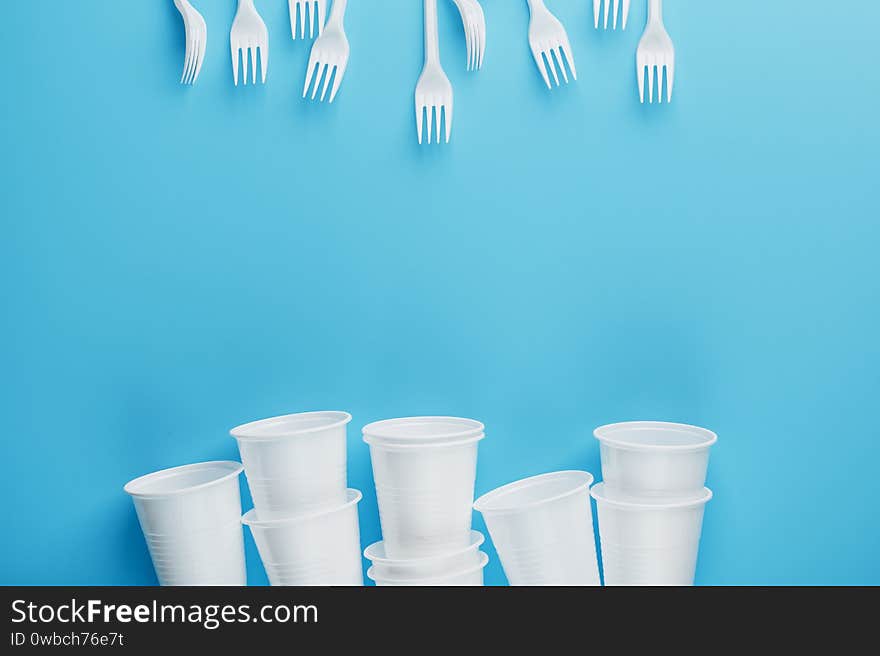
point(176, 261)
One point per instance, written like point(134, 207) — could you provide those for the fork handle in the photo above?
point(536, 5)
point(337, 12)
point(432, 36)
point(655, 11)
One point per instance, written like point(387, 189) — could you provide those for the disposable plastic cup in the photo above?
point(654, 458)
point(189, 519)
point(471, 575)
point(649, 541)
point(542, 528)
point(320, 547)
point(295, 463)
point(424, 469)
point(421, 568)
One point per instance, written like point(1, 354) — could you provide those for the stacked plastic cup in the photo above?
point(424, 469)
point(542, 528)
point(190, 519)
point(651, 503)
point(304, 520)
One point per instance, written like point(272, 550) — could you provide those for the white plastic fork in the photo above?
point(196, 41)
point(310, 12)
point(655, 52)
point(607, 5)
point(330, 51)
point(548, 39)
point(433, 90)
point(248, 35)
point(474, 21)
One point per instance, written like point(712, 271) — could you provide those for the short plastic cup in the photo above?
point(189, 519)
point(470, 575)
point(421, 568)
point(649, 541)
point(654, 458)
point(424, 469)
point(295, 463)
point(542, 528)
point(320, 547)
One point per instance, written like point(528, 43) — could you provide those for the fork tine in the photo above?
point(539, 60)
point(322, 7)
point(310, 73)
point(641, 63)
point(650, 81)
point(321, 68)
point(186, 58)
point(200, 59)
point(327, 77)
point(264, 61)
point(606, 14)
point(340, 71)
point(670, 78)
point(558, 54)
point(625, 13)
point(565, 46)
point(616, 9)
point(596, 5)
point(234, 49)
point(438, 109)
point(420, 111)
point(448, 116)
point(253, 53)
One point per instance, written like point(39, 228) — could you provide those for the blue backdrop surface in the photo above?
point(176, 261)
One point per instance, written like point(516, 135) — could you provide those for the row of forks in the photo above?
point(552, 51)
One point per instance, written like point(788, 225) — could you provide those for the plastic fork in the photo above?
point(548, 40)
point(329, 52)
point(655, 52)
point(474, 21)
point(248, 35)
point(310, 12)
point(597, 10)
point(196, 40)
point(433, 90)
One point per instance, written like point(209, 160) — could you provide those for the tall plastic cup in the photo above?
point(542, 528)
point(421, 568)
point(319, 548)
point(295, 463)
point(649, 541)
point(654, 458)
point(424, 469)
point(189, 517)
point(469, 575)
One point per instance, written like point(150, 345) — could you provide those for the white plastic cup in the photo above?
point(424, 469)
point(649, 541)
point(654, 458)
point(422, 568)
point(470, 575)
point(542, 528)
point(189, 517)
point(318, 548)
point(295, 463)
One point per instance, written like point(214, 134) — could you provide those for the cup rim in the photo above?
point(484, 503)
point(606, 435)
point(651, 503)
point(477, 539)
point(430, 580)
point(353, 497)
point(133, 486)
point(381, 432)
point(252, 430)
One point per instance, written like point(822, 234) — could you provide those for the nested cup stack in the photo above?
point(651, 502)
point(304, 520)
point(424, 469)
